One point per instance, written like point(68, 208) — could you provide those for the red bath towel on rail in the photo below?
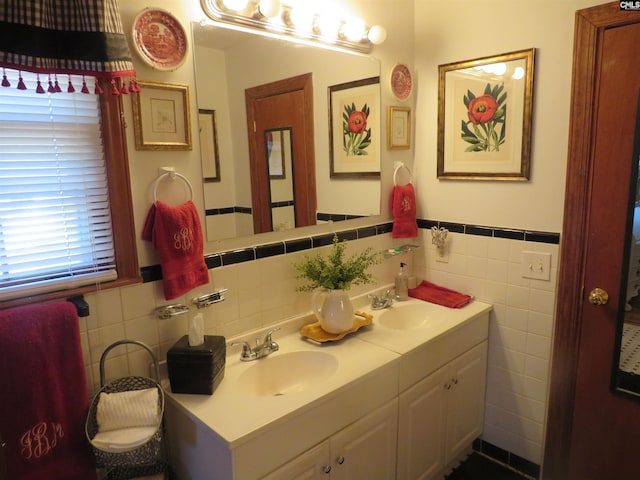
point(43, 394)
point(403, 209)
point(177, 236)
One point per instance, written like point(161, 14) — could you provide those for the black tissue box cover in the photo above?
point(197, 369)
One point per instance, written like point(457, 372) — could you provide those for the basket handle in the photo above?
point(123, 342)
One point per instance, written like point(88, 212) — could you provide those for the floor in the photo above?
point(479, 467)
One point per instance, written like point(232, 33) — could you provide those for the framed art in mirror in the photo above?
point(161, 117)
point(354, 128)
point(484, 117)
point(210, 159)
point(398, 127)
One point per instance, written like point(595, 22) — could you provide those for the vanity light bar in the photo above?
point(248, 15)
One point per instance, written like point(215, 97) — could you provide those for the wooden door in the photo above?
point(593, 433)
point(285, 103)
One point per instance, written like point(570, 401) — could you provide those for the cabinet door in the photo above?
point(465, 409)
point(311, 465)
point(367, 449)
point(421, 427)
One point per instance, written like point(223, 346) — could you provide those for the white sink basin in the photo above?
point(287, 373)
point(404, 316)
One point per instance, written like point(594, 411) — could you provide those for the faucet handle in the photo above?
point(267, 338)
point(247, 351)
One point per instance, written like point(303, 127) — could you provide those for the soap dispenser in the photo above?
point(402, 284)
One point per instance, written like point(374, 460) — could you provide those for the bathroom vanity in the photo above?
point(402, 398)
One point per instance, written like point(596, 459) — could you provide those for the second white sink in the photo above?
point(403, 316)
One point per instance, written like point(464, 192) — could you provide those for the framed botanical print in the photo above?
point(485, 116)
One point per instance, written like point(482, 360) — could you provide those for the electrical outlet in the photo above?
point(441, 254)
point(536, 265)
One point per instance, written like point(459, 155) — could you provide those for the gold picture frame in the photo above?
point(161, 117)
point(485, 117)
point(354, 129)
point(398, 127)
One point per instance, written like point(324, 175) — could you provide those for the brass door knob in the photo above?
point(598, 296)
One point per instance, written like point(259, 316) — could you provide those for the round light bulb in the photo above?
point(269, 8)
point(301, 17)
point(353, 29)
point(237, 5)
point(377, 34)
point(328, 24)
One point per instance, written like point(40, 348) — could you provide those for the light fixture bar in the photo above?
point(251, 18)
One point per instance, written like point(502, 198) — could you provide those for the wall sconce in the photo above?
point(298, 22)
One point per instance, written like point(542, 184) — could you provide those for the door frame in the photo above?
point(590, 24)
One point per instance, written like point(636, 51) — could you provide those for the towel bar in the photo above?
point(209, 299)
point(168, 311)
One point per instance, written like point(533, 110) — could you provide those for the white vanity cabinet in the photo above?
point(441, 415)
point(365, 449)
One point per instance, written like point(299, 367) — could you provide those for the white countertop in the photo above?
point(237, 416)
point(439, 321)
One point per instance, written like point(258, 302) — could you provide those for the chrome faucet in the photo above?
point(262, 349)
point(379, 302)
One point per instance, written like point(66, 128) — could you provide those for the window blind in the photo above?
point(55, 222)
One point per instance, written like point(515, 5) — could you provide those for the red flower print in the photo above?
point(482, 109)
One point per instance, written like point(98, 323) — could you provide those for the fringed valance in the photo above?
point(83, 37)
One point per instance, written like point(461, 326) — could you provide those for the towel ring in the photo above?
point(172, 175)
point(395, 173)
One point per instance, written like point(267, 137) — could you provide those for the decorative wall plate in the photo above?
point(159, 39)
point(401, 82)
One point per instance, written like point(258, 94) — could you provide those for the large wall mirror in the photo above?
point(227, 63)
point(626, 372)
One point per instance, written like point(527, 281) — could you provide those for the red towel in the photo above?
point(177, 235)
point(43, 394)
point(430, 292)
point(403, 209)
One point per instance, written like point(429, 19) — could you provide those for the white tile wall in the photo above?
point(519, 335)
point(260, 293)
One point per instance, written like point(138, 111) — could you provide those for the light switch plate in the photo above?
point(536, 265)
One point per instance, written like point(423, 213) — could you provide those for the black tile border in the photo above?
point(516, 462)
point(211, 212)
point(335, 217)
point(154, 272)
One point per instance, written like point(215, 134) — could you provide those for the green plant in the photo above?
point(335, 272)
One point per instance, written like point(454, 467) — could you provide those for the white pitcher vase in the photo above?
point(333, 309)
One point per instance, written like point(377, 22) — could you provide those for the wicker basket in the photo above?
point(145, 459)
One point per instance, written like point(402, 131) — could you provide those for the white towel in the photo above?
point(124, 439)
point(134, 408)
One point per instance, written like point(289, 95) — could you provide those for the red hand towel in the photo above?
point(430, 292)
point(177, 235)
point(44, 398)
point(403, 209)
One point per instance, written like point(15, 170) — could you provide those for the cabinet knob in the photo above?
point(447, 386)
point(326, 469)
point(454, 381)
point(340, 460)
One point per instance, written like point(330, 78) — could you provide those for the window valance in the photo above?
point(83, 37)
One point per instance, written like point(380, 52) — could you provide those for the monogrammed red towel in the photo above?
point(403, 209)
point(44, 397)
point(176, 234)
